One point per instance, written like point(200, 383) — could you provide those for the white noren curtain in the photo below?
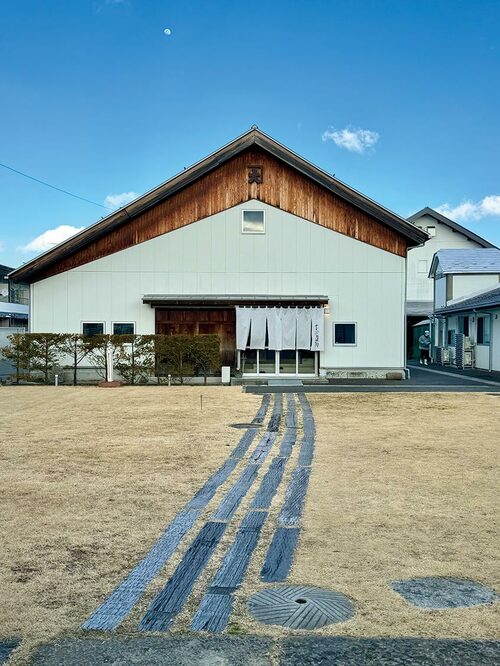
point(274, 328)
point(303, 328)
point(318, 329)
point(288, 327)
point(258, 328)
point(243, 316)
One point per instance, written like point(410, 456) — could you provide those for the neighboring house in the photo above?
point(467, 303)
point(14, 300)
point(13, 313)
point(297, 272)
point(444, 234)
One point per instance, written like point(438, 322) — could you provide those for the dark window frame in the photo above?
point(464, 325)
point(93, 323)
point(343, 333)
point(123, 323)
point(481, 330)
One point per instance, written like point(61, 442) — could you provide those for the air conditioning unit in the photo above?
point(468, 344)
point(468, 358)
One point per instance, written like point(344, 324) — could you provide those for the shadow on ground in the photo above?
point(261, 651)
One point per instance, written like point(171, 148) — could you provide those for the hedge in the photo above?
point(137, 358)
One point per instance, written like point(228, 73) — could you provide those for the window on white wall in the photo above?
point(253, 222)
point(123, 328)
point(431, 231)
point(90, 328)
point(345, 334)
point(422, 266)
point(483, 330)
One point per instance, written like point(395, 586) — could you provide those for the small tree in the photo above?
point(19, 352)
point(174, 356)
point(206, 354)
point(96, 347)
point(46, 352)
point(73, 345)
point(135, 357)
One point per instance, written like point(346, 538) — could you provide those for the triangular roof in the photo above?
point(451, 224)
point(252, 138)
point(462, 261)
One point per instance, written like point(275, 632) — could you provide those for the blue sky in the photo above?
point(398, 98)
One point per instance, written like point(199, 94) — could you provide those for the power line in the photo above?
point(42, 182)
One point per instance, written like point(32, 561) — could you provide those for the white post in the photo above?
point(56, 380)
point(109, 363)
point(169, 380)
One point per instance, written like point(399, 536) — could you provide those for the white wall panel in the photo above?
point(465, 285)
point(419, 284)
point(212, 256)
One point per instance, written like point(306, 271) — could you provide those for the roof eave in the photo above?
point(414, 235)
point(468, 308)
point(452, 225)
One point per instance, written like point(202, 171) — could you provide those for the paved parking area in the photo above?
point(422, 380)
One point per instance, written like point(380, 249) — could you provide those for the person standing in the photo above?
point(424, 344)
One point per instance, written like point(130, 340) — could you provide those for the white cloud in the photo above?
point(50, 238)
point(354, 140)
point(119, 200)
point(472, 210)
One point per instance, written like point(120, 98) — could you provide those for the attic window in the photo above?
point(253, 222)
point(431, 231)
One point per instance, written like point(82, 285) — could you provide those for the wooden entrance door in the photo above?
point(221, 322)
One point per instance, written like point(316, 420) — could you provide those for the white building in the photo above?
point(467, 302)
point(443, 234)
point(297, 272)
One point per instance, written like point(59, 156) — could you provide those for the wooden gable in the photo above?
point(231, 184)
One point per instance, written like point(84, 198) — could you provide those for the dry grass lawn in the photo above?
point(89, 478)
point(402, 485)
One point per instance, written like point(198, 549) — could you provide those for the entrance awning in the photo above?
point(211, 300)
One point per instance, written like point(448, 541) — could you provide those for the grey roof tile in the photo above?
point(458, 261)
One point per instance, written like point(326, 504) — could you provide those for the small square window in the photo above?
point(344, 334)
point(90, 328)
point(120, 328)
point(422, 266)
point(431, 231)
point(253, 222)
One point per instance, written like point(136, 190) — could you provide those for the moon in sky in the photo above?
point(167, 32)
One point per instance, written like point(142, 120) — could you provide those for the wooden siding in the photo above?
point(227, 186)
point(221, 322)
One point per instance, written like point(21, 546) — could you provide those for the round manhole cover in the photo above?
point(299, 607)
point(443, 592)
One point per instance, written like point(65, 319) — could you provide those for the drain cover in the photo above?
point(299, 607)
point(438, 592)
point(244, 426)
